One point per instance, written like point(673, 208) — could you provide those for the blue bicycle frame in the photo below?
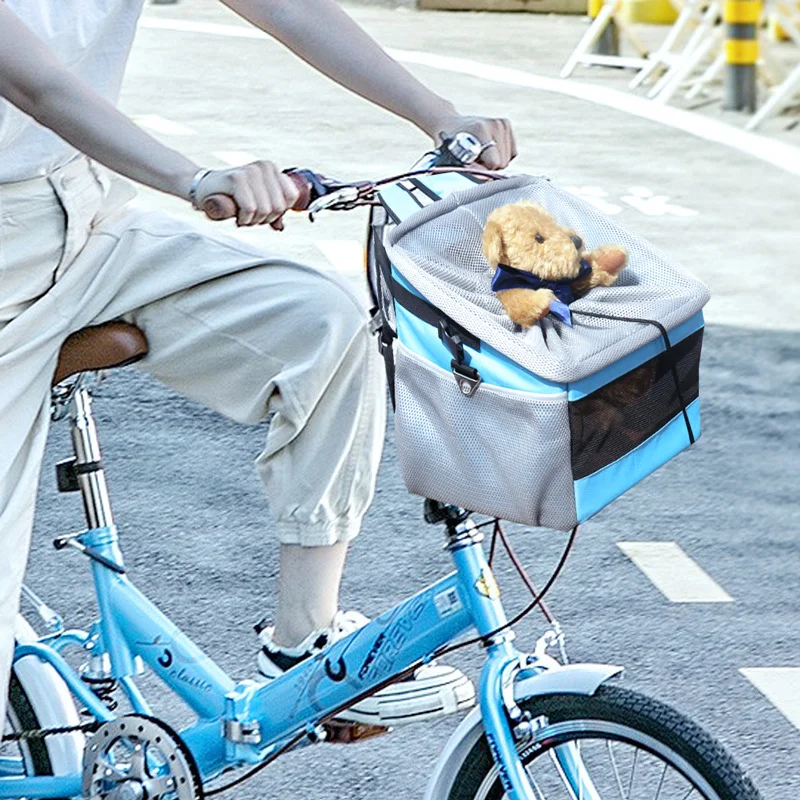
point(258, 718)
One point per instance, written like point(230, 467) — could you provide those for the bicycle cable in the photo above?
point(537, 601)
point(525, 611)
point(478, 173)
point(512, 555)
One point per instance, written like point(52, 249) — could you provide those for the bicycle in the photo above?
point(543, 730)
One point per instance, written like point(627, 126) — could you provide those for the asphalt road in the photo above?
point(191, 512)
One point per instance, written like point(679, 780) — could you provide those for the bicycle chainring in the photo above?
point(136, 757)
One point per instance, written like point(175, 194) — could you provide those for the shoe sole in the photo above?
point(406, 702)
point(407, 705)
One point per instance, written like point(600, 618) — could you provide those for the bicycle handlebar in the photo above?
point(221, 206)
point(460, 150)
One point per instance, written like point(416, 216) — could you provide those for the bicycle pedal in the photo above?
point(341, 731)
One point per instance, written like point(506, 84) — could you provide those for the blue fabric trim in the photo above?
point(445, 183)
point(400, 201)
point(587, 385)
point(597, 490)
point(494, 367)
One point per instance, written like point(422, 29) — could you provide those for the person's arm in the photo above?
point(33, 79)
point(321, 33)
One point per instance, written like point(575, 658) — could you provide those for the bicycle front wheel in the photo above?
point(613, 745)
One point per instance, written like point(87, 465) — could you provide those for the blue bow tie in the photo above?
point(507, 277)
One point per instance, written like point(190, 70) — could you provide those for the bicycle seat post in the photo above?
point(87, 466)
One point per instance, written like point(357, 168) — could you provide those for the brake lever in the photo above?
point(342, 199)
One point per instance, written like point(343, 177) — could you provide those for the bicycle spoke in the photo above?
point(616, 771)
point(661, 782)
point(582, 757)
point(633, 773)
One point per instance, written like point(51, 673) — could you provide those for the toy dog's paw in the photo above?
point(609, 259)
point(526, 307)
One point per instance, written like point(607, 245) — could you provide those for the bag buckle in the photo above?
point(467, 378)
point(452, 341)
point(376, 321)
point(386, 338)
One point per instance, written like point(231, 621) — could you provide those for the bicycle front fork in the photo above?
point(506, 726)
point(504, 723)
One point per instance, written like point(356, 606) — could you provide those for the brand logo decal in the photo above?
point(383, 653)
point(487, 585)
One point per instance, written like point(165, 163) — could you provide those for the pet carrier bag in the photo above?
point(543, 426)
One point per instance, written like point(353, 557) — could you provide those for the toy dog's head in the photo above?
point(525, 236)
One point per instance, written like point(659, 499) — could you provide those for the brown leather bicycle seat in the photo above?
point(112, 344)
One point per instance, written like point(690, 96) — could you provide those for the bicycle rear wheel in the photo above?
point(630, 745)
point(30, 756)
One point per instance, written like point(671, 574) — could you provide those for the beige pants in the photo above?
point(244, 332)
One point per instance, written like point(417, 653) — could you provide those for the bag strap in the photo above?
point(452, 335)
point(670, 353)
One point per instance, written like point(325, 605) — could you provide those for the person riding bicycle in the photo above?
point(245, 331)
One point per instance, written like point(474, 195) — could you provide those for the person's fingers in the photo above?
point(504, 149)
point(259, 191)
point(505, 133)
point(287, 192)
point(513, 141)
point(502, 139)
point(291, 192)
point(273, 185)
point(245, 199)
point(260, 187)
point(491, 157)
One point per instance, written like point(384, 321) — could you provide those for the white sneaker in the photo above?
point(432, 691)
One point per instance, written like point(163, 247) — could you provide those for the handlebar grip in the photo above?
point(222, 206)
point(219, 207)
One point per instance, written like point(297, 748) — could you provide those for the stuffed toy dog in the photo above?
point(540, 265)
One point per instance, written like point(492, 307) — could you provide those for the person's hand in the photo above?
point(487, 129)
point(260, 192)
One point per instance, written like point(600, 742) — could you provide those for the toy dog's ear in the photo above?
point(493, 248)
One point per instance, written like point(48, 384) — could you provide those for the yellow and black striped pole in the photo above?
point(741, 53)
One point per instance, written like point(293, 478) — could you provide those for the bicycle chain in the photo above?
point(41, 733)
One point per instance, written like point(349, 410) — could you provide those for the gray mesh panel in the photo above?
point(500, 452)
point(438, 249)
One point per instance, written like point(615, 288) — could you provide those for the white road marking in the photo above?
point(345, 255)
point(781, 686)
point(163, 125)
point(595, 195)
point(779, 154)
point(640, 198)
point(234, 158)
point(678, 577)
point(654, 205)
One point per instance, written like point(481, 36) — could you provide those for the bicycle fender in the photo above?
point(52, 701)
point(570, 679)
